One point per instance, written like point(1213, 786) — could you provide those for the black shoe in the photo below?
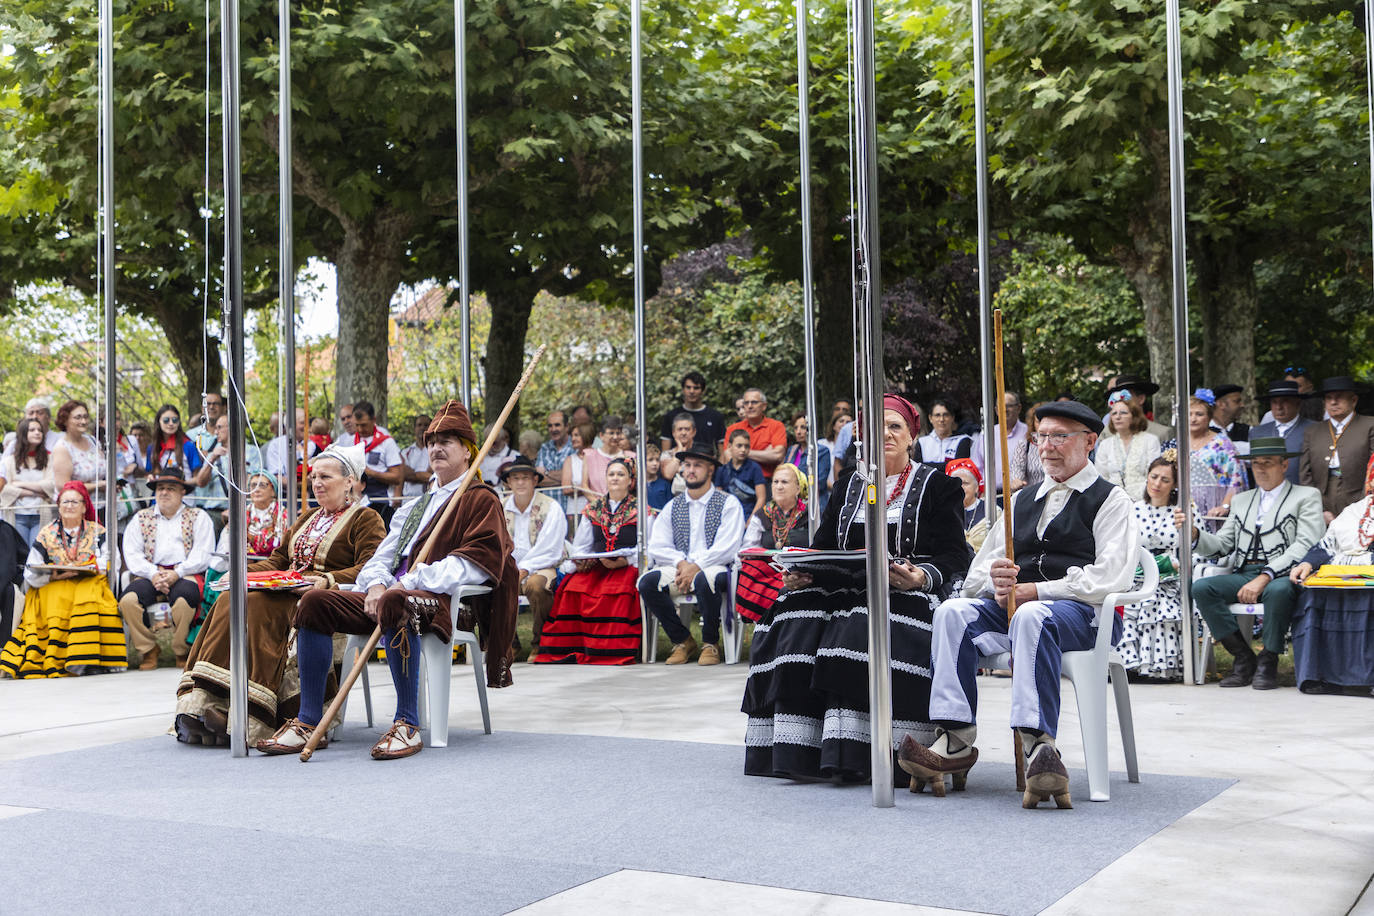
point(190, 730)
point(1243, 671)
point(1266, 671)
point(1321, 688)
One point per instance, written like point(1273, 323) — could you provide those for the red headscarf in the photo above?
point(80, 487)
point(966, 464)
point(903, 407)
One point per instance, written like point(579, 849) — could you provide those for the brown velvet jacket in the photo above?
point(343, 552)
point(476, 531)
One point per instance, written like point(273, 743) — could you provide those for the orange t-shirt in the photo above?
point(767, 434)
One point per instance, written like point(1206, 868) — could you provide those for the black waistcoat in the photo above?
point(625, 537)
point(1068, 539)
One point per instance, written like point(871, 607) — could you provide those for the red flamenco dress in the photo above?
point(595, 617)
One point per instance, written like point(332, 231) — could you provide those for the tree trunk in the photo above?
point(1229, 299)
point(1147, 262)
point(369, 271)
point(196, 353)
point(504, 361)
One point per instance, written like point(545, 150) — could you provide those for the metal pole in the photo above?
point(1369, 94)
point(107, 282)
point(641, 408)
point(980, 146)
point(233, 332)
point(1177, 214)
point(460, 75)
point(286, 280)
point(813, 505)
point(871, 462)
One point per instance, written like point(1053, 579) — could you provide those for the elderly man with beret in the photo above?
point(1075, 543)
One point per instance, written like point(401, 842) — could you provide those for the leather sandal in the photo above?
point(291, 738)
point(403, 740)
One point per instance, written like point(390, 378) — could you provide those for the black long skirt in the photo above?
point(807, 694)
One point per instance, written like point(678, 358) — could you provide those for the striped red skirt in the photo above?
point(759, 585)
point(594, 620)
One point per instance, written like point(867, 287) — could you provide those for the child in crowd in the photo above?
point(660, 487)
point(319, 433)
point(741, 476)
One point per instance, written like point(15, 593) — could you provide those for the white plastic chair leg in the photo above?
point(1124, 720)
point(733, 638)
point(479, 671)
point(1092, 720)
point(352, 648)
point(436, 658)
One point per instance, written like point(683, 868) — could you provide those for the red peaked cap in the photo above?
point(452, 418)
point(902, 406)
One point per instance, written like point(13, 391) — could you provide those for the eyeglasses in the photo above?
point(72, 504)
point(1056, 440)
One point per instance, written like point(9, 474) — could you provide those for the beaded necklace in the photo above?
point(1365, 532)
point(901, 483)
point(599, 514)
point(781, 522)
point(308, 541)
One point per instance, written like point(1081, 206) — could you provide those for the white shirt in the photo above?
point(415, 457)
point(1266, 502)
point(547, 551)
point(993, 469)
point(1337, 427)
point(1114, 533)
point(441, 578)
point(274, 456)
point(167, 546)
point(934, 449)
point(663, 552)
point(491, 465)
point(352, 438)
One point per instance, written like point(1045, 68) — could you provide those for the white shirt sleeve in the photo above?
point(444, 577)
point(728, 538)
point(220, 564)
point(582, 539)
point(547, 550)
point(202, 545)
point(662, 551)
point(377, 571)
point(33, 577)
point(139, 565)
point(753, 533)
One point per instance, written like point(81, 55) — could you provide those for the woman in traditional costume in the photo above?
point(71, 622)
point(1214, 465)
point(328, 545)
point(266, 521)
point(807, 694)
point(780, 524)
point(595, 618)
point(1333, 628)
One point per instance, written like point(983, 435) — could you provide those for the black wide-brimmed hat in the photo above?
point(1283, 388)
point(1134, 383)
point(702, 450)
point(170, 475)
point(519, 463)
point(1268, 447)
point(1071, 410)
point(1339, 383)
point(1222, 391)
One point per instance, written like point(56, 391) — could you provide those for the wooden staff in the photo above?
point(422, 557)
point(1003, 447)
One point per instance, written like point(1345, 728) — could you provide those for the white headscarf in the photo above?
point(352, 457)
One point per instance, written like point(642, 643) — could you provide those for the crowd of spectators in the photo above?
point(579, 469)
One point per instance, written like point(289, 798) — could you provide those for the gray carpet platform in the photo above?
point(494, 822)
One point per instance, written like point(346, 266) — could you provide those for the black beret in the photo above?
point(1222, 391)
point(1071, 410)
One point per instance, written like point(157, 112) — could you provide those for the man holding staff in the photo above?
point(1074, 544)
point(408, 597)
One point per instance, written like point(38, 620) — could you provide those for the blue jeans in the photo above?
point(27, 526)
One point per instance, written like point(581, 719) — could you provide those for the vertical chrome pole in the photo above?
point(641, 408)
point(107, 282)
point(460, 99)
point(871, 330)
point(286, 279)
point(1369, 95)
point(813, 505)
point(233, 332)
point(980, 146)
point(1177, 227)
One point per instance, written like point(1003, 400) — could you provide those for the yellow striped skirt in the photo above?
point(67, 624)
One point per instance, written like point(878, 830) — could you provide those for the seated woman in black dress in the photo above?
point(595, 617)
point(807, 694)
point(781, 523)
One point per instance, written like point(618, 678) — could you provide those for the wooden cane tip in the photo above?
point(305, 755)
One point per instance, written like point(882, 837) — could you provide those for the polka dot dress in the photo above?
point(1152, 630)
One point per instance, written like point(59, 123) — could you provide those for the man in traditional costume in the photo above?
point(537, 528)
point(167, 548)
point(1336, 450)
point(1075, 543)
point(408, 595)
point(691, 546)
point(1269, 530)
point(1285, 420)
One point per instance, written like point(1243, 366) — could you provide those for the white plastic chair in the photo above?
point(436, 660)
point(1086, 670)
point(1246, 615)
point(731, 636)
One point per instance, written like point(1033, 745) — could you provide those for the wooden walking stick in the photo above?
point(1003, 447)
point(423, 556)
point(1005, 459)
